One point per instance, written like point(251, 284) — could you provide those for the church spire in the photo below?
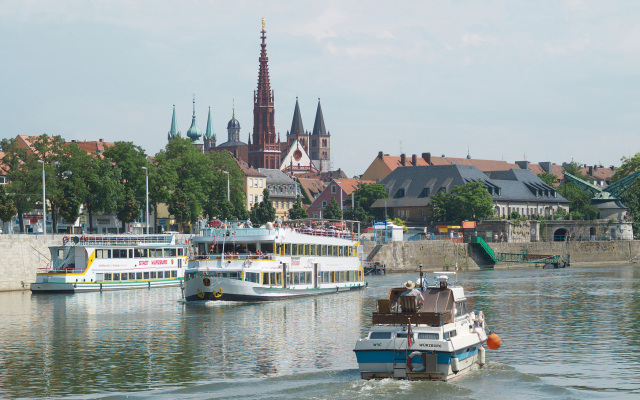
point(194, 133)
point(296, 124)
point(173, 132)
point(208, 134)
point(318, 125)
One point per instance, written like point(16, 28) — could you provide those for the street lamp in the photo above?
point(228, 192)
point(146, 172)
point(44, 202)
point(341, 210)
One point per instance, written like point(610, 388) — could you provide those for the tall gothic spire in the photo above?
point(296, 124)
point(173, 132)
point(318, 125)
point(208, 134)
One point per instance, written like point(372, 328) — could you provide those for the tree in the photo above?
point(363, 197)
point(128, 208)
point(548, 178)
point(332, 211)
point(69, 204)
point(630, 198)
point(441, 206)
point(264, 211)
point(7, 208)
point(104, 186)
point(472, 202)
point(179, 206)
point(305, 196)
point(297, 211)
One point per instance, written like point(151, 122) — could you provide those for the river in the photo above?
point(567, 333)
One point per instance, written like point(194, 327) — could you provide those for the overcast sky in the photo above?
point(508, 80)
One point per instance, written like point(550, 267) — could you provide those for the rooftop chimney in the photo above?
point(546, 166)
point(427, 157)
point(414, 160)
point(380, 155)
point(523, 164)
point(590, 170)
point(403, 159)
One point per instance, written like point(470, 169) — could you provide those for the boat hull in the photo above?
point(60, 287)
point(224, 289)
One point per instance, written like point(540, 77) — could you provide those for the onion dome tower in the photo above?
point(194, 133)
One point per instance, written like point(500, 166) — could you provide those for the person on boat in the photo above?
point(412, 291)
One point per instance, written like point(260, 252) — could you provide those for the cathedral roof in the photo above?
point(318, 125)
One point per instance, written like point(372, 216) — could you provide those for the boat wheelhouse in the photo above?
point(110, 262)
point(439, 340)
point(306, 258)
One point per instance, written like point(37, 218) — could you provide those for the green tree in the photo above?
point(332, 211)
point(305, 196)
point(441, 205)
point(263, 212)
point(297, 211)
point(104, 186)
point(631, 197)
point(128, 208)
point(179, 206)
point(363, 197)
point(69, 204)
point(548, 178)
point(7, 208)
point(472, 202)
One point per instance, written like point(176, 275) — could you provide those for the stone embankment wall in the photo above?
point(20, 258)
point(441, 254)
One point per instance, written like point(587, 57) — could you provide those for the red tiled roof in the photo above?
point(312, 186)
point(394, 162)
point(94, 146)
point(482, 165)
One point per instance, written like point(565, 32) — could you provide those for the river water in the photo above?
point(569, 334)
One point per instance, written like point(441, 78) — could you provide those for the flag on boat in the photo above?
point(409, 334)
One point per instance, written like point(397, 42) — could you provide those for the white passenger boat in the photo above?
point(271, 263)
point(440, 341)
point(109, 262)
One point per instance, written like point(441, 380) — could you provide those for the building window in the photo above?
point(324, 203)
point(260, 181)
point(250, 182)
point(333, 189)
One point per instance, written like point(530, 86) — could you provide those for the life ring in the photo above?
point(218, 294)
point(424, 362)
point(65, 240)
point(206, 282)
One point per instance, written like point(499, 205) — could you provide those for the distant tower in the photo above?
point(209, 136)
point(297, 130)
point(194, 133)
point(320, 148)
point(233, 128)
point(173, 132)
point(264, 152)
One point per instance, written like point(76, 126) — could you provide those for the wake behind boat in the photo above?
point(440, 340)
point(240, 263)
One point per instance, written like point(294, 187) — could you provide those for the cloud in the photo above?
point(573, 46)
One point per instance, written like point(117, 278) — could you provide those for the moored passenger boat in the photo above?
point(439, 340)
point(110, 262)
point(239, 263)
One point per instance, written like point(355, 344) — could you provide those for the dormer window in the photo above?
point(399, 193)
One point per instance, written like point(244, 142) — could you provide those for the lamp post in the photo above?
point(44, 202)
point(341, 209)
point(146, 172)
point(228, 192)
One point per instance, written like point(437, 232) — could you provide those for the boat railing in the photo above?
point(248, 232)
point(234, 257)
point(418, 318)
point(65, 270)
point(115, 240)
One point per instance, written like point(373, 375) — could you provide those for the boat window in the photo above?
point(252, 277)
point(428, 336)
point(153, 275)
point(380, 335)
point(140, 253)
point(324, 250)
point(401, 335)
point(174, 274)
point(350, 251)
point(107, 277)
point(138, 275)
point(450, 334)
point(294, 278)
point(99, 277)
point(307, 251)
point(312, 250)
point(329, 250)
point(279, 249)
point(187, 277)
point(170, 252)
point(342, 276)
point(287, 249)
point(361, 273)
point(461, 308)
point(267, 247)
point(340, 251)
point(116, 277)
point(130, 253)
point(307, 277)
point(146, 275)
point(132, 276)
point(294, 249)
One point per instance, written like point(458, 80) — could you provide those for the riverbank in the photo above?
point(444, 254)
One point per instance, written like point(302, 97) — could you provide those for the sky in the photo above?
point(505, 80)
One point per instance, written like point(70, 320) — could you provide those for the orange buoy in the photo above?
point(494, 341)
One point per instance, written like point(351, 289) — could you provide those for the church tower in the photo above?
point(173, 131)
point(264, 151)
point(297, 130)
point(320, 148)
point(209, 136)
point(194, 133)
